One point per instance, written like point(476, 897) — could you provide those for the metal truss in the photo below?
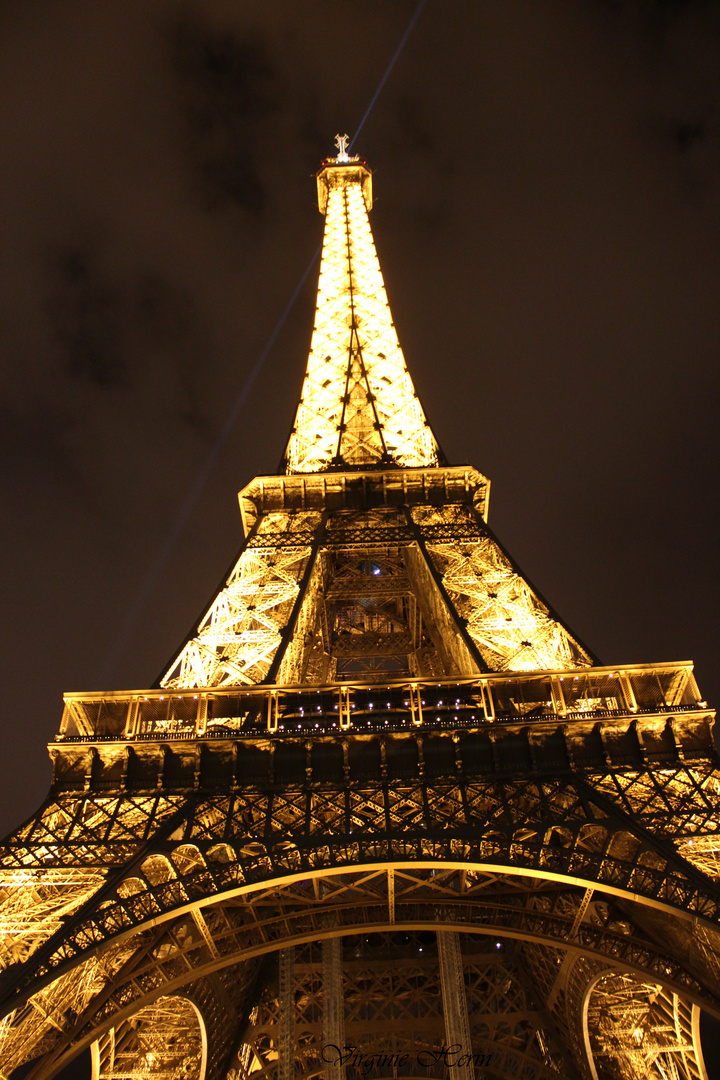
point(572, 831)
point(394, 1013)
point(454, 1000)
point(294, 613)
point(217, 937)
point(511, 627)
point(333, 1027)
point(382, 796)
point(286, 1011)
point(358, 405)
point(359, 410)
point(636, 1030)
point(34, 904)
point(173, 885)
point(445, 601)
point(606, 827)
point(239, 636)
point(165, 1040)
point(620, 1026)
point(642, 712)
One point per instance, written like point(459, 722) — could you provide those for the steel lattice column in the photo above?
point(457, 1028)
point(333, 1005)
point(286, 1019)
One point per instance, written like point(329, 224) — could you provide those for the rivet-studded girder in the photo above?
point(383, 799)
point(358, 405)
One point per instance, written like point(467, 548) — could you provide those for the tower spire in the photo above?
point(358, 406)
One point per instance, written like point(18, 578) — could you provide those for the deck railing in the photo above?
point(532, 697)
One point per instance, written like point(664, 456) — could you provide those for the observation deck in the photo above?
point(540, 722)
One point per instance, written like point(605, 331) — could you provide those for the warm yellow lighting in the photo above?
point(359, 411)
point(238, 637)
point(384, 751)
point(510, 625)
point(358, 404)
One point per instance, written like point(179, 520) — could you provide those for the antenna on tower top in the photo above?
point(341, 141)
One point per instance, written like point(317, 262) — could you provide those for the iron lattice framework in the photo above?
point(384, 815)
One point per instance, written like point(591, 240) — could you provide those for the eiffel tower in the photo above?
point(384, 815)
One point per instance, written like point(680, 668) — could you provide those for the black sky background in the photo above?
point(547, 218)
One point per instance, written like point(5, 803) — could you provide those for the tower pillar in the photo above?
point(286, 1018)
point(333, 1006)
point(455, 1011)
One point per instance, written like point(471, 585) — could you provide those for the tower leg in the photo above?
point(457, 1027)
point(286, 1020)
point(333, 1007)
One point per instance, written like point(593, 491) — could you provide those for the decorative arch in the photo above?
point(236, 930)
point(627, 1019)
point(167, 1038)
point(547, 829)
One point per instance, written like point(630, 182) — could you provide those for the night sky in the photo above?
point(547, 190)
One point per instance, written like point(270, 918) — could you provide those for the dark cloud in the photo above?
point(36, 447)
point(227, 88)
point(86, 320)
point(660, 16)
point(687, 132)
point(165, 311)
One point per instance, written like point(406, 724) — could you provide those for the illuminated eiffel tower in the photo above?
point(383, 798)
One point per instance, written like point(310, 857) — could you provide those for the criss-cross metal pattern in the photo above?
point(358, 405)
point(384, 815)
point(344, 593)
point(239, 635)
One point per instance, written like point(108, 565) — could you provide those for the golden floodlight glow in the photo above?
point(383, 798)
point(359, 414)
point(237, 639)
point(358, 405)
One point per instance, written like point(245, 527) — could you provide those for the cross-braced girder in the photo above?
point(637, 1030)
point(394, 1013)
point(604, 828)
point(208, 854)
point(430, 586)
point(165, 1040)
point(511, 627)
point(382, 794)
point(570, 838)
point(238, 637)
point(215, 935)
point(358, 406)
